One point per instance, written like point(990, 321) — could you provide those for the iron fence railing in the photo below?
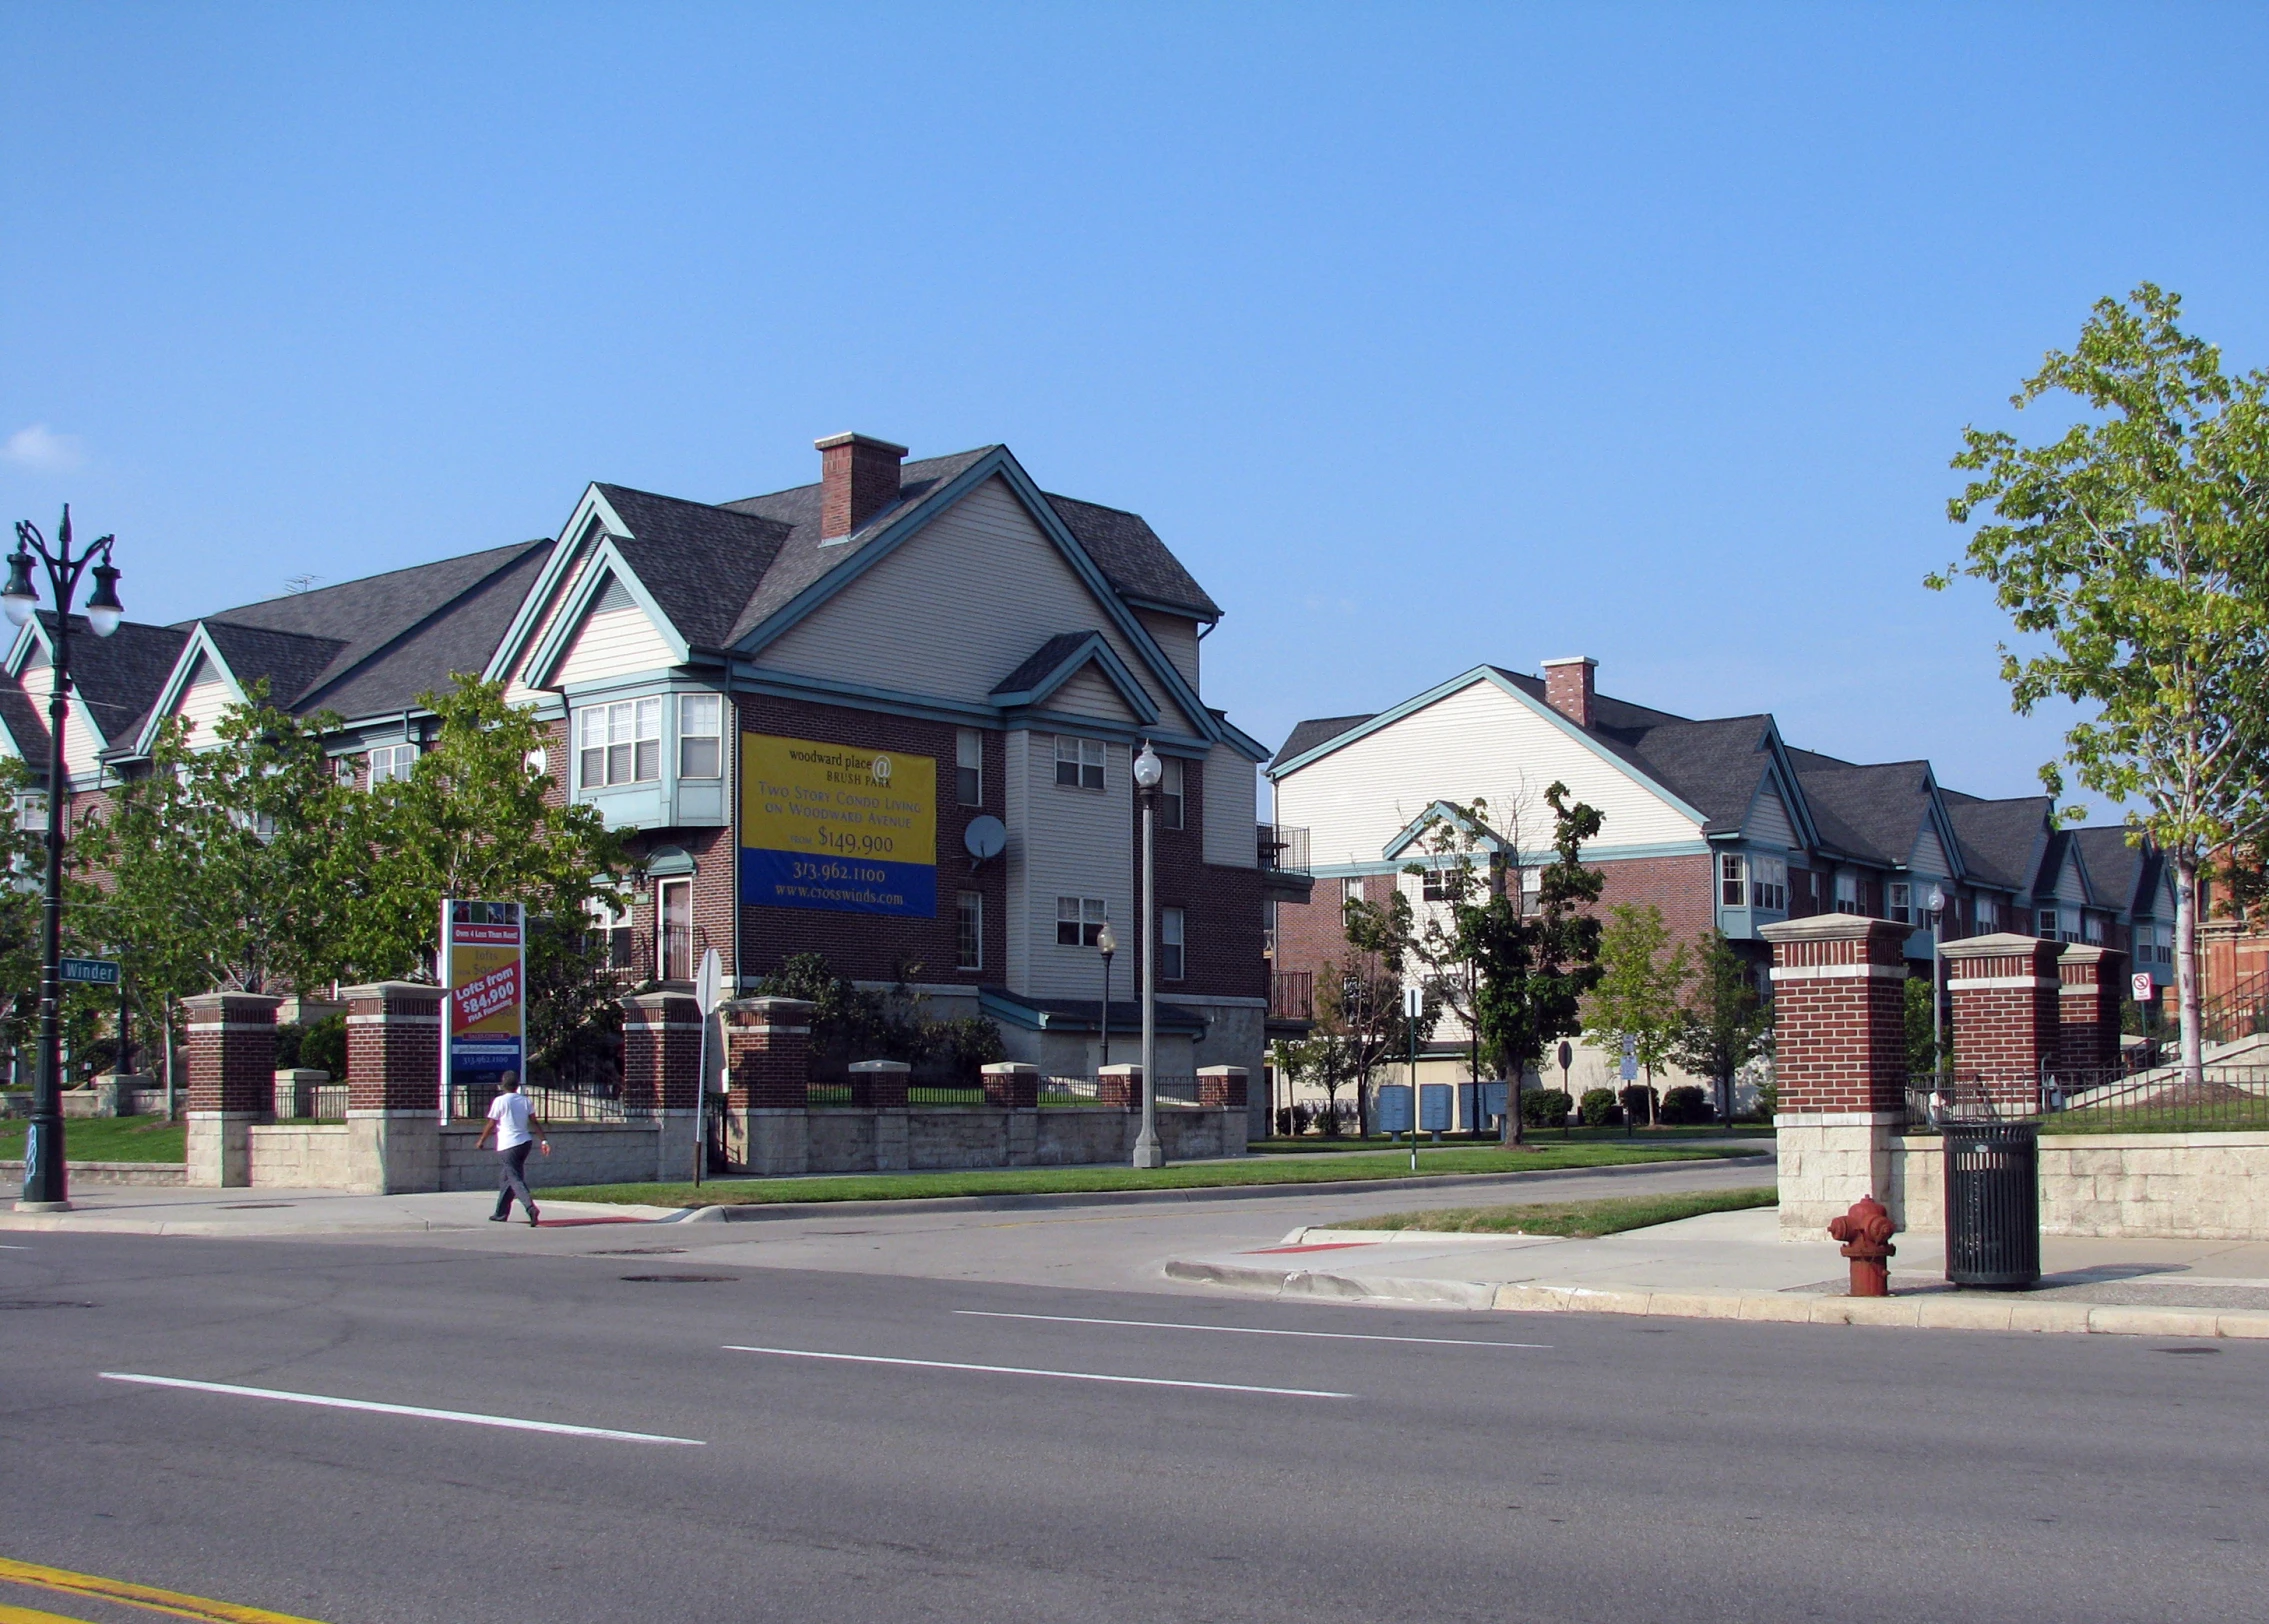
point(1292, 995)
point(470, 1102)
point(2066, 1100)
point(1283, 847)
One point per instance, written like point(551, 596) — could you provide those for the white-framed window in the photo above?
point(1079, 762)
point(1902, 902)
point(31, 811)
point(1079, 920)
point(969, 931)
point(673, 934)
point(968, 768)
point(612, 925)
point(390, 762)
point(1171, 923)
point(2048, 924)
point(2092, 927)
point(701, 736)
point(1847, 893)
point(1733, 880)
point(1768, 883)
point(1435, 885)
point(1170, 793)
point(1988, 916)
point(620, 743)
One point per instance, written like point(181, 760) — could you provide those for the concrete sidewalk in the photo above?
point(1734, 1265)
point(248, 1214)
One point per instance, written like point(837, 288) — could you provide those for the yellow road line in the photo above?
point(65, 1582)
point(32, 1615)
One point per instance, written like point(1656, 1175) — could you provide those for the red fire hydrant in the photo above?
point(1866, 1232)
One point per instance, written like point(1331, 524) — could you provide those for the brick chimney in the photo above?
point(858, 478)
point(1568, 687)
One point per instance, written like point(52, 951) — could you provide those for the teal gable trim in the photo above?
point(591, 505)
point(1441, 811)
point(1093, 650)
point(745, 677)
point(200, 645)
point(1526, 859)
point(606, 564)
point(1242, 742)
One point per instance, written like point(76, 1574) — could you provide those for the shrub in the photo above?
point(1768, 1100)
point(289, 1036)
point(1638, 1103)
point(1546, 1108)
point(323, 1044)
point(1599, 1108)
point(1685, 1106)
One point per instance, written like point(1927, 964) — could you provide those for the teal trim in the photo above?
point(1528, 859)
point(746, 678)
point(668, 862)
point(606, 564)
point(591, 505)
point(176, 683)
point(1441, 811)
point(1242, 742)
point(1096, 650)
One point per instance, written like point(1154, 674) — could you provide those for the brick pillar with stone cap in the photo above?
point(232, 1083)
point(1012, 1085)
point(880, 1085)
point(1222, 1087)
point(1120, 1086)
point(767, 1068)
point(2005, 991)
point(661, 1073)
point(2094, 985)
point(1839, 1059)
point(393, 1087)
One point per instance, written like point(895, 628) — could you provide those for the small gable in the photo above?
point(2071, 885)
point(1088, 693)
point(1768, 823)
point(1930, 855)
point(616, 638)
point(206, 694)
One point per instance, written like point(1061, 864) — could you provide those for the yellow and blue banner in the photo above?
point(837, 828)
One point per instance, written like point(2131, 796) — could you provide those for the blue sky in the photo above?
point(1426, 335)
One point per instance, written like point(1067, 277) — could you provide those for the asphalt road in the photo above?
point(1628, 1470)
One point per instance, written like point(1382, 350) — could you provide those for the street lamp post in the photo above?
point(1148, 770)
point(1937, 982)
point(1106, 944)
point(46, 1180)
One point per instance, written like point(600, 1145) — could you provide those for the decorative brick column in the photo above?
point(767, 1065)
point(879, 1085)
point(1120, 1086)
point(1012, 1085)
point(1222, 1087)
point(661, 1073)
point(232, 1083)
point(2095, 984)
point(1839, 995)
point(394, 1087)
point(2005, 991)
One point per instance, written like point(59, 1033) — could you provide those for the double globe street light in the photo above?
point(46, 1181)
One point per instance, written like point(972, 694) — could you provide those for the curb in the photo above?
point(757, 1211)
point(1942, 1313)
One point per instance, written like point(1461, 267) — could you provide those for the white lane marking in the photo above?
point(512, 1422)
point(1018, 1370)
point(1256, 1330)
point(14, 1248)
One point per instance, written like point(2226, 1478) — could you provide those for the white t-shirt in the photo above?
point(510, 1114)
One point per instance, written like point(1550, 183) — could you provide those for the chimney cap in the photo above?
point(829, 442)
point(1571, 659)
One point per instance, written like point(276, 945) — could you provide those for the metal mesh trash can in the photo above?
point(1993, 1204)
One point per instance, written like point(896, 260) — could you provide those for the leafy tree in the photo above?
point(1637, 1000)
point(2132, 553)
point(1457, 865)
point(1923, 1056)
point(1360, 1003)
point(1727, 1025)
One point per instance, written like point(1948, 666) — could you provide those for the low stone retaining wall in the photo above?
point(2164, 1186)
point(157, 1175)
point(581, 1153)
point(851, 1140)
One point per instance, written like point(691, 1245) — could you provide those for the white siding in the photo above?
point(517, 691)
point(82, 743)
point(1768, 823)
point(1229, 811)
point(1479, 741)
point(1930, 855)
point(1064, 842)
point(1090, 693)
point(1178, 636)
point(202, 702)
point(614, 643)
point(956, 609)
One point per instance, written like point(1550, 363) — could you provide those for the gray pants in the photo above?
point(510, 1179)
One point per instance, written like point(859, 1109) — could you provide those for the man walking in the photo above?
point(508, 1117)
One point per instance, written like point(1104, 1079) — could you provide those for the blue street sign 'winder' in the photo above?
point(89, 972)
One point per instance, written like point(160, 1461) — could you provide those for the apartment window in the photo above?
point(1902, 902)
point(673, 938)
point(969, 768)
point(1435, 885)
point(1170, 930)
point(1847, 893)
point(1733, 880)
point(620, 744)
point(1079, 762)
point(343, 769)
point(2048, 924)
point(1988, 916)
point(1768, 883)
point(969, 931)
point(1170, 793)
point(390, 762)
point(1079, 920)
point(31, 812)
point(701, 736)
point(612, 926)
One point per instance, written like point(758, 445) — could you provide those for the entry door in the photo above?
point(675, 938)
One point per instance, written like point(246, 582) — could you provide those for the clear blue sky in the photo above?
point(1426, 335)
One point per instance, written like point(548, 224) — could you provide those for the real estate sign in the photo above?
point(838, 828)
point(484, 969)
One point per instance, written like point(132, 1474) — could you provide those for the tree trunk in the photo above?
point(2186, 964)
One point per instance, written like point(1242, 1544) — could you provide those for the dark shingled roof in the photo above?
point(1999, 838)
point(699, 561)
point(21, 715)
point(2125, 877)
point(119, 676)
point(1041, 661)
point(287, 661)
point(1877, 810)
point(1131, 557)
point(1307, 735)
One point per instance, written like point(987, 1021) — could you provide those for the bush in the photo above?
point(1768, 1100)
point(1599, 1108)
point(1686, 1106)
point(1546, 1108)
point(324, 1046)
point(1638, 1103)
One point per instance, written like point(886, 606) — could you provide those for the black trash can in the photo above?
point(1993, 1204)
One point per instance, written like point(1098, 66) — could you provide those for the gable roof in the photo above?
point(1999, 838)
point(119, 677)
point(1305, 736)
point(1062, 657)
point(2125, 877)
point(1874, 812)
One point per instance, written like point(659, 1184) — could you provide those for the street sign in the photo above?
point(89, 972)
point(1413, 1002)
point(1630, 1059)
point(2144, 988)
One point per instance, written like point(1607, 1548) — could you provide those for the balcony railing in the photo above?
point(1283, 848)
point(1292, 995)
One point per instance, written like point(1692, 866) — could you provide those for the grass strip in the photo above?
point(1315, 1144)
point(1577, 1220)
point(1091, 1180)
point(107, 1139)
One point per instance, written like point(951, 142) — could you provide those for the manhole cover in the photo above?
point(29, 1302)
point(681, 1279)
point(636, 1251)
point(254, 1206)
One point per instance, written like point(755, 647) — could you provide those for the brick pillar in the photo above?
point(1012, 1085)
point(2007, 1027)
point(232, 1082)
point(661, 1073)
point(767, 1064)
point(1120, 1086)
point(1839, 995)
point(394, 1087)
point(1222, 1087)
point(879, 1085)
point(2095, 982)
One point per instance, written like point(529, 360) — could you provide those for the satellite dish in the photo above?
point(986, 837)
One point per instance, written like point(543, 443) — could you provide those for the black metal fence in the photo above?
point(2163, 1099)
point(470, 1102)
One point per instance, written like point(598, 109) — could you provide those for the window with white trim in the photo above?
point(1988, 916)
point(1079, 920)
point(1171, 925)
point(392, 762)
point(619, 743)
point(1170, 793)
point(1079, 762)
point(1733, 880)
point(613, 926)
point(2048, 924)
point(1847, 893)
point(701, 736)
point(968, 769)
point(969, 931)
point(1902, 902)
point(1768, 883)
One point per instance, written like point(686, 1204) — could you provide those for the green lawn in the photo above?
point(1086, 1180)
point(2230, 1116)
point(1577, 1219)
point(1311, 1144)
point(106, 1139)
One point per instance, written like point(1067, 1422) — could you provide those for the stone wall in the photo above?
point(2167, 1186)
point(848, 1140)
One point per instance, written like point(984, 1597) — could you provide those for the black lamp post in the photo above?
point(1106, 944)
point(46, 1183)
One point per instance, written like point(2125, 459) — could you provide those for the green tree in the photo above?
point(1359, 1009)
point(1727, 1025)
point(1923, 1056)
point(1463, 871)
point(1643, 975)
point(2131, 552)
